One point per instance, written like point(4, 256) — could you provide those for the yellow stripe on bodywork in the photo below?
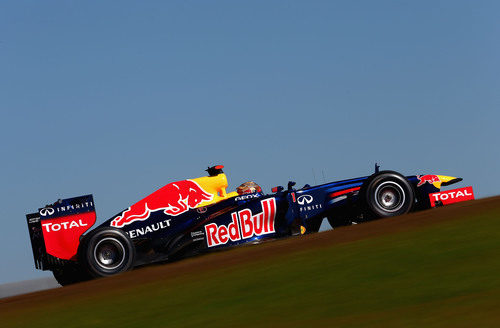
point(216, 186)
point(442, 178)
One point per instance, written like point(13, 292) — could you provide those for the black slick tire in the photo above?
point(313, 225)
point(338, 221)
point(386, 194)
point(70, 274)
point(107, 251)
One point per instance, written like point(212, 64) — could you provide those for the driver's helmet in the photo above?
point(248, 188)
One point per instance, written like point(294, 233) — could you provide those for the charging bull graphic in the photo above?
point(429, 178)
point(175, 198)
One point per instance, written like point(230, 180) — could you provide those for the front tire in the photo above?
point(386, 194)
point(108, 251)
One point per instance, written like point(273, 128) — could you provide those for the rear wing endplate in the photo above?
point(55, 230)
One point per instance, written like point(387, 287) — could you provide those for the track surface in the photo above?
point(235, 259)
point(28, 286)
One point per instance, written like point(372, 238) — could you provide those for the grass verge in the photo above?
point(441, 275)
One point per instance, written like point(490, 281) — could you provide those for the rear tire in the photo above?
point(387, 193)
point(70, 274)
point(313, 225)
point(338, 221)
point(107, 251)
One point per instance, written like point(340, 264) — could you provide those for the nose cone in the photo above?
point(446, 180)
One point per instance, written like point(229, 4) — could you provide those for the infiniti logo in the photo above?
point(305, 199)
point(46, 211)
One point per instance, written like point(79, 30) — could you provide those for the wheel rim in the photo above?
point(390, 196)
point(109, 253)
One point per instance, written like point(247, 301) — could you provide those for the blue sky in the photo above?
point(119, 98)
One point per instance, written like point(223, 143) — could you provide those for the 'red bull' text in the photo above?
point(243, 225)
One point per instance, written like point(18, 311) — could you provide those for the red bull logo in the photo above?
point(427, 179)
point(243, 225)
point(173, 199)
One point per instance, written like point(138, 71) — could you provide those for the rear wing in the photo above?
point(55, 230)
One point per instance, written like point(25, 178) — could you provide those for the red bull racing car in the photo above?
point(193, 216)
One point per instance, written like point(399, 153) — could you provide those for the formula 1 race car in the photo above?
point(193, 216)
